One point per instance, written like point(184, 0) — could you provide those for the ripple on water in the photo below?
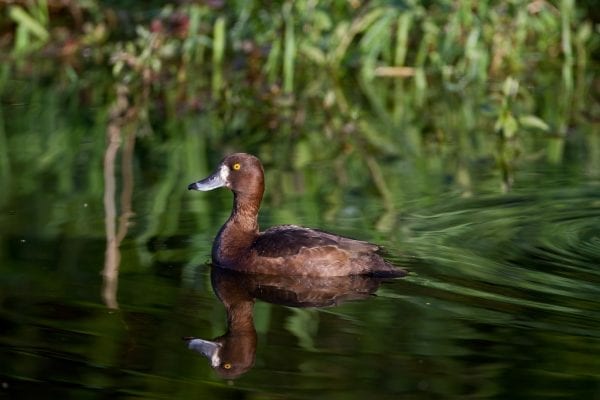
point(526, 253)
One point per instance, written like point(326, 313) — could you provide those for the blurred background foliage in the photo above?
point(438, 87)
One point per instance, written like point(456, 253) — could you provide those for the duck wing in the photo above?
point(289, 240)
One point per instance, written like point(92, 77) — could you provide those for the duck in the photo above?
point(285, 249)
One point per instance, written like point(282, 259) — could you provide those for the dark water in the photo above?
point(502, 302)
point(104, 271)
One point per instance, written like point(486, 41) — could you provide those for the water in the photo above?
point(104, 269)
point(502, 301)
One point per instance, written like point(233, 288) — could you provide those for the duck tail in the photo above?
point(395, 272)
point(384, 269)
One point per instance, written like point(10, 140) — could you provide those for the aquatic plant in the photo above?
point(442, 86)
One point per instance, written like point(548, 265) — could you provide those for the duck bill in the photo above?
point(216, 180)
point(207, 348)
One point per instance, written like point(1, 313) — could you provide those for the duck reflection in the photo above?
point(233, 353)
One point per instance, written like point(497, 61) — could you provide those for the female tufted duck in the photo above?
point(285, 249)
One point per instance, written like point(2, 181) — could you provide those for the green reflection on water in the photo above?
point(504, 286)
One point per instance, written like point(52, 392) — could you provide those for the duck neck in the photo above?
point(239, 318)
point(240, 230)
point(245, 213)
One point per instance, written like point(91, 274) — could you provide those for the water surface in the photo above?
point(502, 299)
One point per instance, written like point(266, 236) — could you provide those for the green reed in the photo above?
point(326, 80)
point(31, 31)
point(218, 52)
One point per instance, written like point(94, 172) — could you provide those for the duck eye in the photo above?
point(237, 166)
point(227, 365)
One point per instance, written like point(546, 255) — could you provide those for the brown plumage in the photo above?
point(285, 249)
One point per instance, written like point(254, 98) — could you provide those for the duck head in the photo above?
point(240, 172)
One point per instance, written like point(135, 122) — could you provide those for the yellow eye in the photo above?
point(227, 365)
point(237, 166)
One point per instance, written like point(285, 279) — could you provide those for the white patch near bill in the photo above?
point(215, 360)
point(224, 173)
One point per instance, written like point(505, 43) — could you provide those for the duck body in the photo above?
point(284, 249)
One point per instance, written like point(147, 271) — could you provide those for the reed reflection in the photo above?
point(117, 227)
point(233, 353)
